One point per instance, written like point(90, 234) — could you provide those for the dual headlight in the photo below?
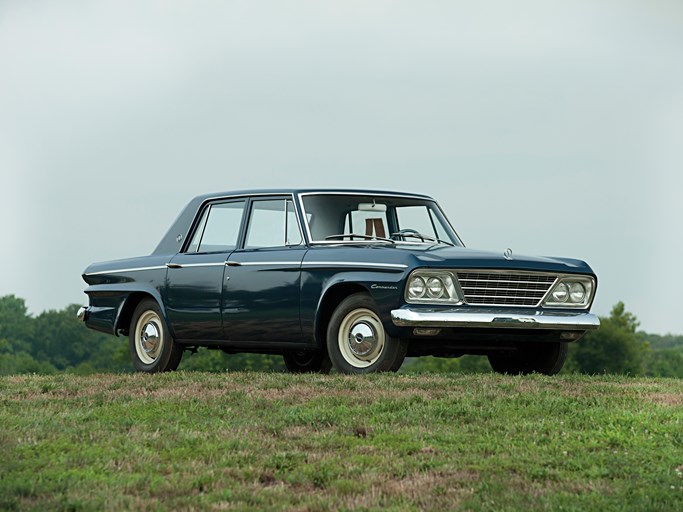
point(570, 292)
point(431, 286)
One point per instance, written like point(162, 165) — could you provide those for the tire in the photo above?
point(545, 358)
point(307, 362)
point(357, 342)
point(152, 349)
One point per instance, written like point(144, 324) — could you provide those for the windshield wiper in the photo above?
point(423, 237)
point(364, 237)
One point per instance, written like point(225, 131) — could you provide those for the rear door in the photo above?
point(195, 277)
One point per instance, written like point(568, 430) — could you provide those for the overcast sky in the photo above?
point(553, 128)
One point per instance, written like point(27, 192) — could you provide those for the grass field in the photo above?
point(254, 441)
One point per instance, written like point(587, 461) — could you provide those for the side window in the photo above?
point(219, 228)
point(272, 223)
point(292, 228)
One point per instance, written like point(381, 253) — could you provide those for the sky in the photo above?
point(552, 128)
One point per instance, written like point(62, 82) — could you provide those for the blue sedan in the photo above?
point(351, 279)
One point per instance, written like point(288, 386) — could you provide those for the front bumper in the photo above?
point(82, 313)
point(494, 318)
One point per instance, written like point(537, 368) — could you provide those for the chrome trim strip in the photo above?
point(123, 270)
point(256, 263)
point(188, 265)
point(494, 318)
point(260, 263)
point(353, 264)
point(405, 195)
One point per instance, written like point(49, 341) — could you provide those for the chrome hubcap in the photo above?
point(149, 337)
point(361, 337)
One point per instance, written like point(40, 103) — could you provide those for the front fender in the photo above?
point(321, 294)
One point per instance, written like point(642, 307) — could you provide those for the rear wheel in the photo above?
point(152, 349)
point(307, 362)
point(357, 342)
point(546, 358)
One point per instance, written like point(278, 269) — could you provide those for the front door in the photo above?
point(195, 277)
point(261, 293)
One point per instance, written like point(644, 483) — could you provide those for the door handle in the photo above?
point(231, 263)
point(173, 265)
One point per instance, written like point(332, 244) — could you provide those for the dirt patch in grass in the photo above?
point(427, 491)
point(667, 399)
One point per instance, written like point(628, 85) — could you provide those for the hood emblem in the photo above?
point(507, 254)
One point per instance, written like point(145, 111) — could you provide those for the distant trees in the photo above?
point(617, 347)
point(56, 341)
point(614, 348)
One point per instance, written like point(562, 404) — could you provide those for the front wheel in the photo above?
point(151, 346)
point(357, 342)
point(307, 362)
point(546, 358)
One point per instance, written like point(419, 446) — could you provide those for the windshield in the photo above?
point(335, 218)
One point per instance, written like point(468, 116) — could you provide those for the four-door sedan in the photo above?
point(351, 279)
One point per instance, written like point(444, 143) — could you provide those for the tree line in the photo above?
point(56, 341)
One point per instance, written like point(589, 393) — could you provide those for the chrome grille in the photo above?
point(504, 288)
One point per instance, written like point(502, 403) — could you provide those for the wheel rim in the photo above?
point(149, 337)
point(303, 358)
point(361, 338)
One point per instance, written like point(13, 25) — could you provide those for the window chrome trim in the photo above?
point(247, 220)
point(222, 198)
point(196, 223)
point(309, 237)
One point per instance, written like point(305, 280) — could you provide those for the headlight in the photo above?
point(571, 292)
point(417, 287)
point(577, 292)
point(560, 293)
point(434, 287)
point(431, 286)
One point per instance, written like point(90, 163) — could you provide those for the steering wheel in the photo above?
point(406, 231)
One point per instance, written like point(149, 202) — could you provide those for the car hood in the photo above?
point(461, 257)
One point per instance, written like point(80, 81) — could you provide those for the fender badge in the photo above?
point(507, 254)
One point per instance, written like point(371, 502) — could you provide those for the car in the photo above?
point(355, 280)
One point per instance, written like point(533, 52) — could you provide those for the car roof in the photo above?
point(173, 239)
point(296, 191)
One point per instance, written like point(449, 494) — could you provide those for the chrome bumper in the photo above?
point(494, 318)
point(82, 314)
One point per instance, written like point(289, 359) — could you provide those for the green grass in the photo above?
point(254, 441)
